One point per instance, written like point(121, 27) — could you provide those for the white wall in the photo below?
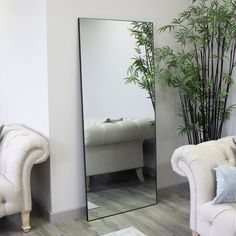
point(23, 75)
point(64, 92)
point(105, 62)
point(23, 60)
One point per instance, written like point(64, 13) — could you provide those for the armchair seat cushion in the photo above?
point(210, 211)
point(10, 197)
point(216, 219)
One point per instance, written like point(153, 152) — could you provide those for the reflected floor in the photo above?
point(119, 195)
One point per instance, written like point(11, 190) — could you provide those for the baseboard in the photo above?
point(162, 192)
point(79, 213)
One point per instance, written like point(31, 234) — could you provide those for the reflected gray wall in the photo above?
point(106, 51)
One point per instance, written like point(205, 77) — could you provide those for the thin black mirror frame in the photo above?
point(82, 119)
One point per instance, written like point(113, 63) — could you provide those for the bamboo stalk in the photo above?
point(184, 115)
point(231, 67)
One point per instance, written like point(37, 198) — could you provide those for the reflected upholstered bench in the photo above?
point(118, 146)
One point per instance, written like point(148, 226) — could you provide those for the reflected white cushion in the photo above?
point(97, 132)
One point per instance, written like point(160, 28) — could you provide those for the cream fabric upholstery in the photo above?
point(196, 163)
point(10, 197)
point(217, 220)
point(20, 149)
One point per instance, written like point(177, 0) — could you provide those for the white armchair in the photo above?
point(20, 149)
point(196, 163)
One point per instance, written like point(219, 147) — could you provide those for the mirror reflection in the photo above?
point(118, 112)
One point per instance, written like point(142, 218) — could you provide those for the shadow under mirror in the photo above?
point(118, 95)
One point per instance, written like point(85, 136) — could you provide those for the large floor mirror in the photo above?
point(118, 118)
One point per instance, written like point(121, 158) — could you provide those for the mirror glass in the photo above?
point(118, 115)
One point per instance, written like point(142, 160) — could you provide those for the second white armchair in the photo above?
point(196, 162)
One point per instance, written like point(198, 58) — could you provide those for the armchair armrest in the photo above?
point(196, 163)
point(21, 148)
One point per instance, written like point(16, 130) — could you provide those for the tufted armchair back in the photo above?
point(20, 149)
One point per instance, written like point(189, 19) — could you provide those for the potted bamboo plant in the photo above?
point(202, 68)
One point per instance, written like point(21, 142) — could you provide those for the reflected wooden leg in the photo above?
point(25, 218)
point(139, 172)
point(194, 233)
point(88, 183)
